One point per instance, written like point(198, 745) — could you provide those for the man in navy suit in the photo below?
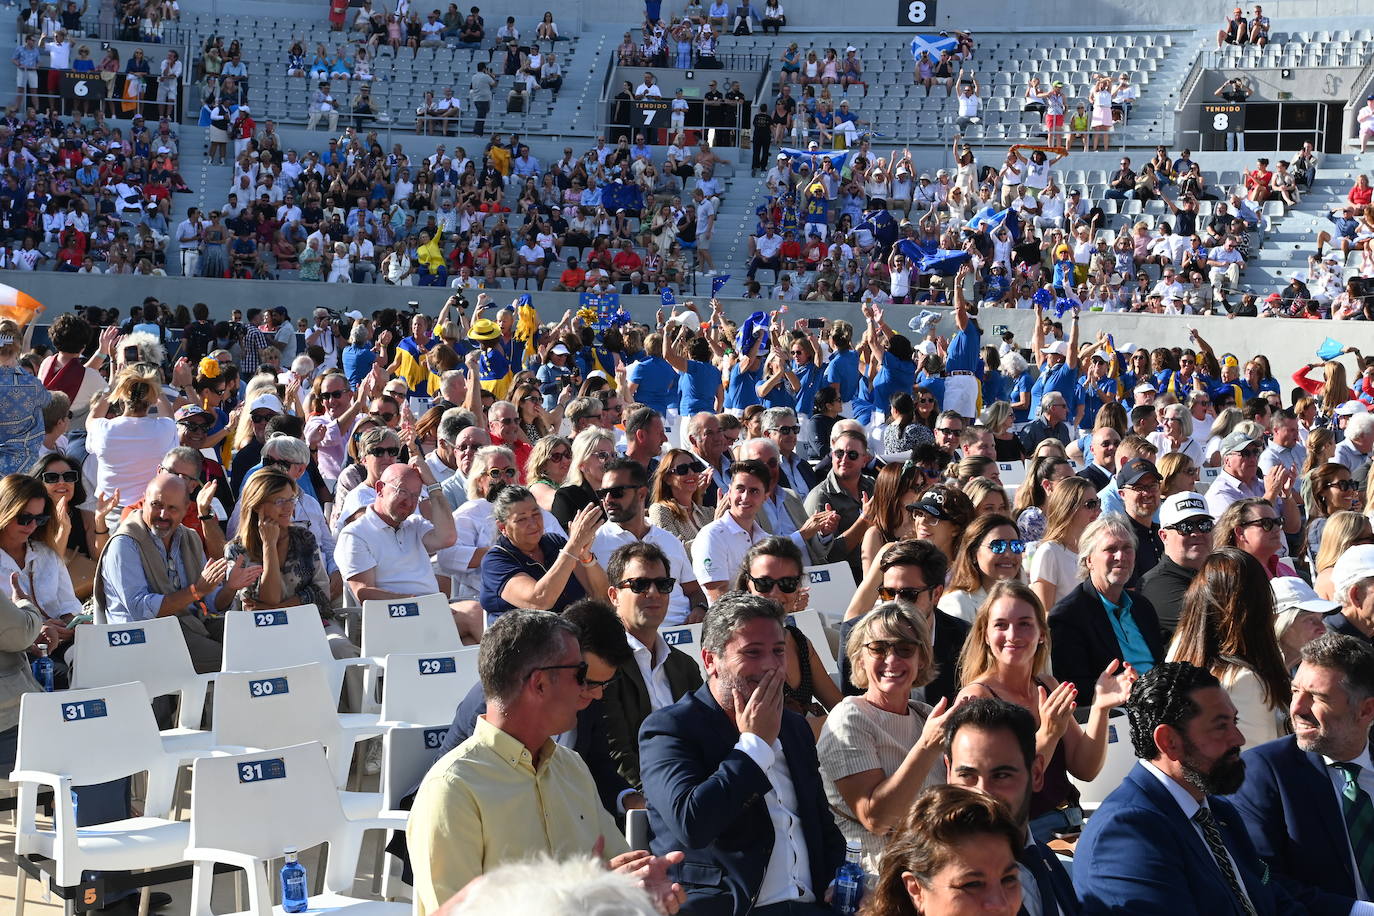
point(990, 746)
point(1163, 843)
point(1306, 797)
point(732, 778)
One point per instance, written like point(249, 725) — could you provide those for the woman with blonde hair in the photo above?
point(878, 750)
point(675, 495)
point(988, 496)
point(547, 468)
point(1006, 657)
point(1332, 391)
point(1043, 475)
point(1176, 434)
point(1227, 627)
point(22, 399)
point(1053, 567)
point(591, 449)
point(1343, 530)
point(129, 447)
point(1178, 473)
point(1227, 421)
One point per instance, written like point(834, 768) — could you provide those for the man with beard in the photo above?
point(1163, 843)
point(1300, 791)
point(990, 746)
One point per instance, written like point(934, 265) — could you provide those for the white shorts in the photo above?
point(27, 78)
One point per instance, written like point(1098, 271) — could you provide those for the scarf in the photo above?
point(185, 544)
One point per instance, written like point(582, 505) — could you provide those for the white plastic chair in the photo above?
point(258, 640)
point(1120, 759)
point(1208, 477)
point(156, 652)
point(685, 638)
point(247, 808)
point(420, 624)
point(426, 688)
point(273, 708)
point(809, 622)
point(1012, 473)
point(832, 586)
point(408, 751)
point(83, 738)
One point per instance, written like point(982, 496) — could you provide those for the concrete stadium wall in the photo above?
point(1288, 343)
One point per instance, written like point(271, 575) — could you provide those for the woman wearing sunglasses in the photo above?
point(1005, 657)
point(1053, 567)
point(990, 550)
point(1227, 628)
point(1254, 527)
point(547, 469)
point(878, 750)
point(378, 449)
point(590, 450)
point(1330, 490)
point(676, 495)
point(29, 546)
point(77, 533)
point(897, 486)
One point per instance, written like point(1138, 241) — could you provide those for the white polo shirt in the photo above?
point(719, 548)
point(397, 554)
point(612, 536)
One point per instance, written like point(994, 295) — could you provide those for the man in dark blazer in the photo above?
point(990, 746)
point(782, 426)
point(655, 674)
point(1102, 467)
point(1100, 621)
point(732, 778)
point(1163, 843)
point(913, 571)
point(1293, 801)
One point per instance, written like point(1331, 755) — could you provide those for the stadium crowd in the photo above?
point(577, 487)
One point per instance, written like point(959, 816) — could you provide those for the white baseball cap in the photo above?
point(1059, 347)
point(1354, 566)
point(1182, 506)
point(1292, 593)
point(266, 402)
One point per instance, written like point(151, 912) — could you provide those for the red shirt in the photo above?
point(626, 260)
point(1360, 197)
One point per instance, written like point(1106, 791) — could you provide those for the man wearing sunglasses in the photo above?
point(1240, 479)
point(783, 513)
point(503, 424)
point(845, 490)
point(341, 410)
point(623, 492)
point(519, 785)
point(721, 544)
point(1138, 484)
point(1186, 532)
point(782, 426)
point(657, 675)
point(913, 572)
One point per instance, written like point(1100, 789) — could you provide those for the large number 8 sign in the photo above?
point(916, 12)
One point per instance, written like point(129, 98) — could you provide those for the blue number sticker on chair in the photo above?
point(438, 666)
point(134, 637)
point(269, 618)
point(85, 709)
point(818, 575)
point(434, 737)
point(268, 686)
point(681, 637)
point(258, 770)
point(408, 609)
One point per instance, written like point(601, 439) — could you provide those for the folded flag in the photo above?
point(812, 158)
point(756, 325)
point(718, 283)
point(924, 323)
point(915, 252)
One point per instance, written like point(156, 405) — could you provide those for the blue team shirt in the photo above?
point(698, 387)
point(965, 350)
point(842, 371)
point(809, 376)
point(655, 378)
point(893, 376)
point(742, 389)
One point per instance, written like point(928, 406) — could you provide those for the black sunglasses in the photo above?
point(910, 594)
point(386, 417)
point(1266, 524)
point(30, 518)
point(785, 584)
point(902, 648)
point(1194, 526)
point(498, 473)
point(61, 476)
point(1345, 486)
point(616, 492)
point(640, 585)
point(849, 453)
point(332, 395)
point(581, 675)
point(682, 470)
point(385, 450)
point(263, 417)
point(786, 430)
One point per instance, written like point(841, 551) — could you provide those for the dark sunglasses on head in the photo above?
point(902, 648)
point(1194, 526)
point(1002, 545)
point(640, 585)
point(787, 430)
point(1266, 524)
point(785, 584)
point(616, 492)
point(385, 451)
point(689, 467)
point(332, 395)
point(61, 476)
point(30, 518)
point(849, 453)
point(910, 594)
point(498, 473)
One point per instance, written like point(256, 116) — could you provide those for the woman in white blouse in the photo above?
point(880, 749)
point(1053, 568)
point(29, 547)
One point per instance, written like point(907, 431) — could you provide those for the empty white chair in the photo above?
point(685, 638)
point(155, 652)
point(1012, 473)
point(421, 624)
point(272, 708)
point(408, 751)
point(280, 638)
point(809, 622)
point(84, 738)
point(831, 585)
point(426, 688)
point(1119, 761)
point(247, 808)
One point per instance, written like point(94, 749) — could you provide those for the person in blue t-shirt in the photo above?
point(809, 370)
point(700, 388)
point(896, 373)
point(842, 368)
point(652, 378)
point(1058, 366)
point(1018, 386)
point(745, 373)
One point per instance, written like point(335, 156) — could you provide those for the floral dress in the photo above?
point(303, 578)
point(22, 399)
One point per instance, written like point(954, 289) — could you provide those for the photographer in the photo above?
point(325, 333)
point(1236, 91)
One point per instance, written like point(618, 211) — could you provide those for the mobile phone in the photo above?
point(131, 354)
point(815, 322)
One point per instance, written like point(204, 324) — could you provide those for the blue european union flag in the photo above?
point(718, 282)
point(667, 297)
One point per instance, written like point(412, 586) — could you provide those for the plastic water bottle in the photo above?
point(294, 897)
point(42, 668)
point(849, 881)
